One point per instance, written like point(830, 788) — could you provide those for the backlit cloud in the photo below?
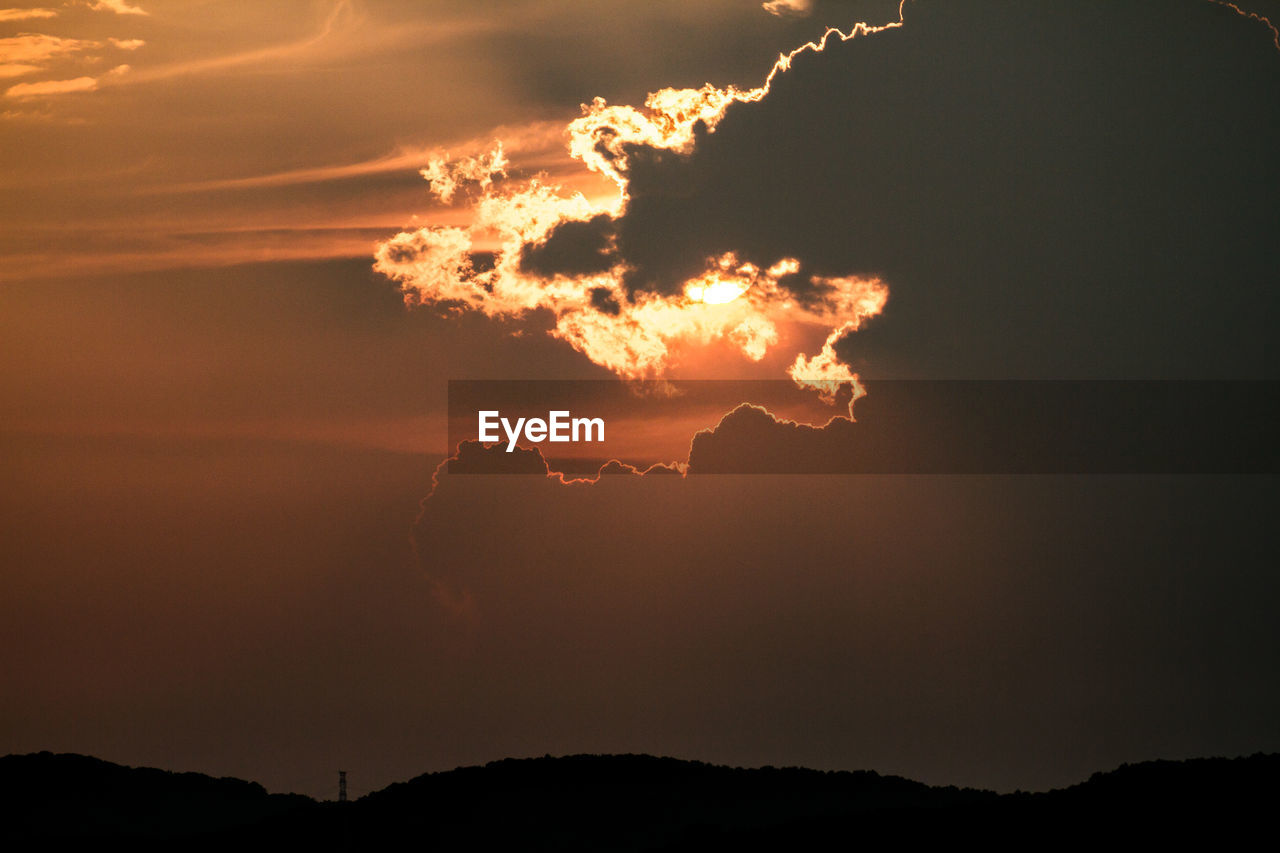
point(789, 8)
point(35, 47)
point(529, 246)
point(52, 87)
point(120, 7)
point(17, 69)
point(33, 53)
point(446, 177)
point(30, 53)
point(26, 14)
point(907, 180)
point(1254, 16)
point(1064, 229)
point(62, 87)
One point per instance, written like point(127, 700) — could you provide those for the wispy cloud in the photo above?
point(789, 8)
point(16, 69)
point(26, 14)
point(30, 53)
point(342, 13)
point(61, 87)
point(120, 7)
point(35, 47)
point(540, 143)
point(52, 87)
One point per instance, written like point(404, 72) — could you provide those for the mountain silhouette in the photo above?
point(631, 802)
point(75, 796)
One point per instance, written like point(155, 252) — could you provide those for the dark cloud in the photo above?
point(900, 427)
point(573, 248)
point(946, 627)
point(1048, 427)
point(474, 457)
point(482, 261)
point(1064, 189)
point(613, 468)
point(564, 53)
point(603, 300)
point(661, 471)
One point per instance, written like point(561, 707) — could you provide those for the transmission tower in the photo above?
point(342, 786)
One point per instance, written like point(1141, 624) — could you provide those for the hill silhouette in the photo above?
point(631, 802)
point(75, 796)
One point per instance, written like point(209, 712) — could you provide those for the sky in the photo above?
point(245, 247)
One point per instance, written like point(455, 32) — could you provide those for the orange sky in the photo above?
point(164, 133)
point(141, 138)
point(218, 422)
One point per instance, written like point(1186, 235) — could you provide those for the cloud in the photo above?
point(539, 143)
point(1017, 427)
point(789, 8)
point(860, 609)
point(62, 87)
point(120, 7)
point(446, 177)
point(1254, 16)
point(999, 218)
point(574, 248)
point(476, 457)
point(752, 440)
point(571, 256)
point(929, 214)
point(16, 69)
point(26, 14)
point(33, 52)
point(52, 87)
point(35, 47)
point(434, 530)
point(943, 427)
point(1046, 212)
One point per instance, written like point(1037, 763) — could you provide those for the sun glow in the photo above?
point(724, 281)
point(715, 292)
point(733, 302)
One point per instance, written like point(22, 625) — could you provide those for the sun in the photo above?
point(712, 290)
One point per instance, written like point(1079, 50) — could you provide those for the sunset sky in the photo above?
point(245, 246)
